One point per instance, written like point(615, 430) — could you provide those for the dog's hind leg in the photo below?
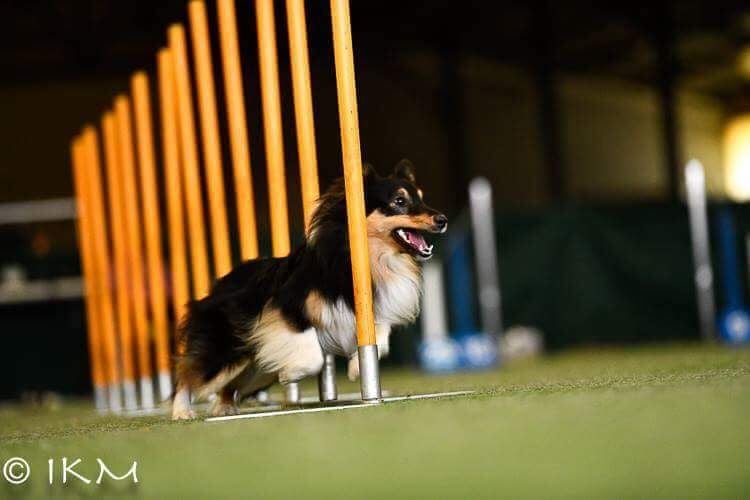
point(250, 382)
point(221, 380)
point(224, 403)
point(181, 409)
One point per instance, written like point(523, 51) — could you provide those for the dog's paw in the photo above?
point(220, 409)
point(290, 376)
point(353, 369)
point(183, 414)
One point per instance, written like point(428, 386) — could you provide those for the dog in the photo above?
point(274, 319)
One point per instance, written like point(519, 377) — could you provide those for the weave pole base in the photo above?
point(341, 404)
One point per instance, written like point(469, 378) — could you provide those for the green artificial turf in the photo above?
point(664, 422)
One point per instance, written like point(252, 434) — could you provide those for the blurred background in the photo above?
point(580, 115)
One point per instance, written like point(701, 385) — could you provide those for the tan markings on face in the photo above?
point(379, 223)
point(422, 221)
point(382, 245)
point(403, 192)
point(379, 233)
point(421, 194)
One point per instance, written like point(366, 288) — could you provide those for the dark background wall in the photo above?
point(515, 91)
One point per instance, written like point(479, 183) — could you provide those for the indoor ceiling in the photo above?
point(44, 40)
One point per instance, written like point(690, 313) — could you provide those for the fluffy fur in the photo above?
point(273, 319)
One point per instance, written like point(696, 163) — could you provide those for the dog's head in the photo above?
point(397, 212)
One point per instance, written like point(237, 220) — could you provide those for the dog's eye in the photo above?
point(400, 201)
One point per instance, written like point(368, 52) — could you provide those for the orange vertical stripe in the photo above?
point(235, 101)
point(190, 171)
point(85, 244)
point(303, 108)
point(269, 81)
point(101, 254)
point(119, 247)
point(133, 223)
point(173, 185)
point(354, 184)
point(210, 131)
point(151, 217)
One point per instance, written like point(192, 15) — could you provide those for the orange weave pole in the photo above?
point(190, 171)
point(269, 86)
point(98, 226)
point(354, 184)
point(173, 183)
point(151, 222)
point(120, 251)
point(85, 243)
point(133, 223)
point(210, 131)
point(303, 108)
point(238, 137)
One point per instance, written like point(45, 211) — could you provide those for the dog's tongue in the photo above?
point(417, 240)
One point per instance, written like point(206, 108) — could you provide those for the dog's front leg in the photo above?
point(181, 409)
point(352, 369)
point(382, 339)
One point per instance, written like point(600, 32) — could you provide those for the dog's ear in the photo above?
point(369, 172)
point(405, 170)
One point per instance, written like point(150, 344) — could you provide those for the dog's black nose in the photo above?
point(441, 222)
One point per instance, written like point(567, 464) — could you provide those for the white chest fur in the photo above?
point(397, 290)
point(397, 299)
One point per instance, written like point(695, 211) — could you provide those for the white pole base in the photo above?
point(100, 398)
point(115, 399)
point(165, 386)
point(262, 397)
point(292, 393)
point(147, 393)
point(131, 398)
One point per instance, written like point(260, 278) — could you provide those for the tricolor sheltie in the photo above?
point(273, 319)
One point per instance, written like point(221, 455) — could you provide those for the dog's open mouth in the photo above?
point(413, 241)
